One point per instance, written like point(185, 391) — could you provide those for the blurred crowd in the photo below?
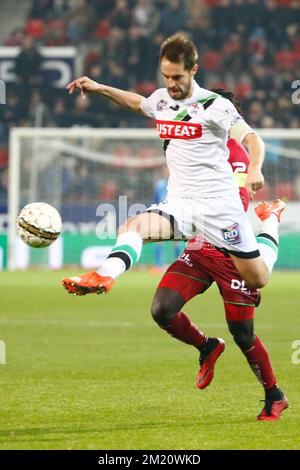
point(251, 47)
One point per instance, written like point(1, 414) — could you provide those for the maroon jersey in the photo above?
point(198, 267)
point(239, 161)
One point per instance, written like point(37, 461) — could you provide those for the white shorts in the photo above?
point(220, 221)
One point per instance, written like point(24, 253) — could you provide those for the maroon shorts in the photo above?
point(192, 274)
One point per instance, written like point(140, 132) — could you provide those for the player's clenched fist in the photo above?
point(84, 84)
point(255, 181)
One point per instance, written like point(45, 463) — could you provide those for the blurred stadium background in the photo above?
point(96, 372)
point(251, 47)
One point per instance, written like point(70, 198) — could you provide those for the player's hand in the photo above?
point(84, 84)
point(255, 181)
point(251, 193)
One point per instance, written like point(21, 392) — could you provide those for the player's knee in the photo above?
point(161, 311)
point(243, 335)
point(128, 227)
point(244, 341)
point(135, 225)
point(256, 280)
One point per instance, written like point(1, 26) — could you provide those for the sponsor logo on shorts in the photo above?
point(232, 234)
point(185, 258)
point(240, 285)
point(178, 130)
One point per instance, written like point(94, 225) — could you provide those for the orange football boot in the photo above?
point(88, 283)
point(265, 209)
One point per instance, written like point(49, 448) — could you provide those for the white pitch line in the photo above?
point(92, 324)
point(110, 324)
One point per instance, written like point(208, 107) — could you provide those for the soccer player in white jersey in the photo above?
point(203, 197)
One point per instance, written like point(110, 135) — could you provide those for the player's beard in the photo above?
point(180, 92)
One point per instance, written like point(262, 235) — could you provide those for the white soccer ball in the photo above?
point(39, 224)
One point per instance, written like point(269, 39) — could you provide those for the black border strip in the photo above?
point(177, 234)
point(245, 255)
point(266, 235)
point(124, 257)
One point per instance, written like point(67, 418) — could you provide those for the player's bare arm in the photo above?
point(125, 99)
point(256, 149)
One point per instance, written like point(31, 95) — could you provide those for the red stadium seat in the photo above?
point(102, 30)
point(35, 28)
point(285, 190)
point(92, 58)
point(283, 3)
point(108, 191)
point(145, 88)
point(3, 157)
point(286, 60)
point(212, 3)
point(297, 49)
point(56, 33)
point(212, 60)
point(242, 90)
point(219, 85)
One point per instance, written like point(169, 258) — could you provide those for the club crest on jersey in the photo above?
point(195, 107)
point(161, 105)
point(179, 130)
point(232, 234)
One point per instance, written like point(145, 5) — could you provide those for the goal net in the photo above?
point(97, 178)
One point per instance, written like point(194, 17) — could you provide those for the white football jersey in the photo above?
point(195, 141)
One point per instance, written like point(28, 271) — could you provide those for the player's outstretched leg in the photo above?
point(259, 361)
point(124, 255)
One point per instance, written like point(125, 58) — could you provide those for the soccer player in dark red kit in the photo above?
point(192, 274)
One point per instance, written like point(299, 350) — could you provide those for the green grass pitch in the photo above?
point(97, 373)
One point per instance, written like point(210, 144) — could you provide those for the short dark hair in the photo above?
point(178, 48)
point(229, 96)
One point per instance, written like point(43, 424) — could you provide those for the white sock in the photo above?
point(123, 256)
point(268, 254)
point(268, 241)
point(112, 267)
point(270, 226)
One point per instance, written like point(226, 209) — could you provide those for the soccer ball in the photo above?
point(39, 224)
